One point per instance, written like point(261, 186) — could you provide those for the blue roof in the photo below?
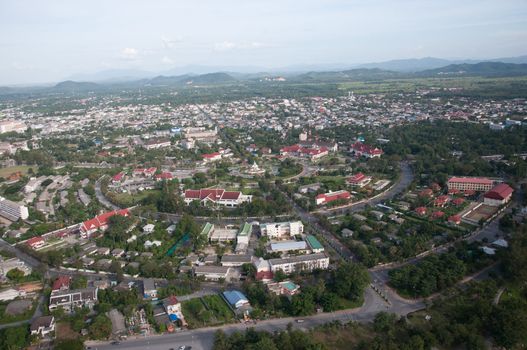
point(173, 317)
point(234, 296)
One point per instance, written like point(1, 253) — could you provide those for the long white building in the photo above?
point(281, 229)
point(12, 210)
point(299, 263)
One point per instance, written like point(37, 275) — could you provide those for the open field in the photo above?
point(206, 311)
point(5, 172)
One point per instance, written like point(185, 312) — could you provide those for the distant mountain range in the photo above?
point(483, 69)
point(427, 63)
point(410, 65)
point(487, 69)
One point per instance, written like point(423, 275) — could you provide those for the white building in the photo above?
point(281, 229)
point(69, 299)
point(148, 228)
point(292, 264)
point(12, 211)
point(212, 273)
point(43, 325)
point(12, 126)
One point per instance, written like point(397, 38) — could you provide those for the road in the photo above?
point(203, 338)
point(405, 179)
point(100, 196)
point(36, 314)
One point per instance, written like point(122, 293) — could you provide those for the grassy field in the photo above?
point(5, 172)
point(207, 311)
point(127, 199)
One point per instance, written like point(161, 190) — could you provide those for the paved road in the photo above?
point(406, 178)
point(101, 198)
point(203, 339)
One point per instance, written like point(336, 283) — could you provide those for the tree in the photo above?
point(15, 275)
point(101, 328)
point(14, 338)
point(349, 280)
point(510, 323)
point(279, 275)
point(220, 341)
point(69, 344)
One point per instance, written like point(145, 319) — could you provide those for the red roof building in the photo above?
point(299, 151)
point(359, 180)
point(325, 198)
point(61, 283)
point(441, 201)
point(217, 196)
point(100, 222)
point(420, 211)
point(458, 201)
point(455, 219)
point(360, 149)
point(437, 215)
point(470, 183)
point(264, 275)
point(427, 192)
point(453, 191)
point(118, 177)
point(211, 157)
point(499, 195)
point(164, 176)
point(36, 242)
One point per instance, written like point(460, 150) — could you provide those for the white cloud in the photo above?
point(225, 45)
point(129, 53)
point(229, 45)
point(167, 60)
point(169, 43)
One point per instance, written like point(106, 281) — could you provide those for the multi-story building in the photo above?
point(69, 299)
point(325, 198)
point(155, 144)
point(360, 149)
point(281, 229)
point(221, 197)
point(298, 263)
point(499, 195)
point(12, 210)
point(358, 180)
point(470, 183)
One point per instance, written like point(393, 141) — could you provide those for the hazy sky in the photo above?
point(46, 40)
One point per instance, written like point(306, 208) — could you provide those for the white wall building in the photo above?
point(281, 229)
point(292, 264)
point(12, 211)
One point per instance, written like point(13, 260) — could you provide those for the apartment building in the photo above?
point(297, 263)
point(470, 183)
point(282, 229)
point(12, 211)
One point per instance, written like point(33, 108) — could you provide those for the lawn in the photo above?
point(207, 311)
point(128, 200)
point(5, 172)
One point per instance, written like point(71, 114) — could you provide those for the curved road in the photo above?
point(406, 178)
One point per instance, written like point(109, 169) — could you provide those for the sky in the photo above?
point(50, 40)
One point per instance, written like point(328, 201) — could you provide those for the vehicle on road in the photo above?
point(300, 321)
